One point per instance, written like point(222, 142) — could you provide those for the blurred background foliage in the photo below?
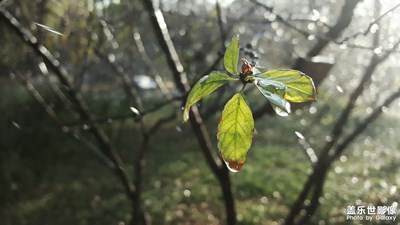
point(48, 177)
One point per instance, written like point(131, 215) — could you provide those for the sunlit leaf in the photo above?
point(231, 57)
point(204, 87)
point(235, 132)
point(299, 87)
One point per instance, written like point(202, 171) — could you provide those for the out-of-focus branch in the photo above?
point(130, 115)
point(161, 122)
point(134, 98)
point(342, 23)
point(343, 118)
point(154, 73)
point(167, 46)
point(279, 18)
point(362, 126)
point(370, 25)
point(54, 117)
point(79, 104)
point(334, 31)
point(220, 24)
point(327, 156)
point(199, 128)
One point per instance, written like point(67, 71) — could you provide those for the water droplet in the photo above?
point(264, 200)
point(316, 13)
point(311, 26)
point(16, 125)
point(393, 190)
point(182, 32)
point(65, 129)
point(338, 169)
point(313, 110)
point(186, 193)
point(328, 138)
point(135, 111)
point(343, 46)
point(281, 112)
point(178, 129)
point(374, 28)
point(299, 135)
point(276, 195)
point(339, 88)
point(234, 166)
point(311, 37)
point(378, 50)
point(111, 57)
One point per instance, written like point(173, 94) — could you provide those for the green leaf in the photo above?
point(274, 92)
point(299, 87)
point(204, 87)
point(235, 132)
point(231, 57)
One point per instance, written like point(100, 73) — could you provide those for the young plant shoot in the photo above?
point(236, 126)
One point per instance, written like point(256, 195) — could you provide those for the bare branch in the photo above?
point(367, 121)
point(370, 25)
point(157, 77)
point(279, 18)
point(65, 130)
point(161, 122)
point(199, 128)
point(220, 24)
point(79, 104)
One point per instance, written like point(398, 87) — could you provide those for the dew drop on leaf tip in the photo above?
point(234, 166)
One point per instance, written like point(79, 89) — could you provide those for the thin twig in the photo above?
point(57, 121)
point(220, 24)
point(370, 25)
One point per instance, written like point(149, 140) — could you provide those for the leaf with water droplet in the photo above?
point(299, 87)
point(204, 87)
point(231, 56)
point(274, 92)
point(235, 132)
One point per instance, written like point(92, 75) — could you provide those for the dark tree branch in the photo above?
point(54, 117)
point(373, 22)
point(220, 24)
point(320, 177)
point(152, 130)
point(147, 62)
point(280, 19)
point(79, 104)
point(199, 128)
point(342, 23)
point(327, 153)
point(131, 115)
point(133, 96)
point(367, 121)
